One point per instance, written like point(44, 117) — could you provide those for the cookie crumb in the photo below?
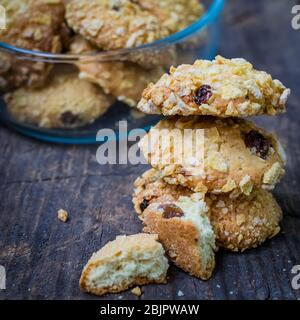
point(137, 291)
point(180, 293)
point(62, 215)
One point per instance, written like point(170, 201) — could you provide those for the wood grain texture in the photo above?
point(44, 257)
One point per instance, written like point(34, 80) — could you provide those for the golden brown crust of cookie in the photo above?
point(222, 87)
point(230, 163)
point(117, 289)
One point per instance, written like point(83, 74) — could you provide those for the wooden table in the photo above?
point(44, 257)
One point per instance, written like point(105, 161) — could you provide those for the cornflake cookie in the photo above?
point(239, 223)
point(124, 80)
point(229, 155)
point(121, 24)
point(33, 25)
point(244, 222)
point(66, 102)
point(221, 88)
point(125, 262)
point(184, 229)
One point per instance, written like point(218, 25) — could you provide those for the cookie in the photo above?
point(239, 223)
point(245, 222)
point(124, 80)
point(119, 24)
point(66, 102)
point(32, 25)
point(213, 155)
point(222, 88)
point(184, 229)
point(123, 263)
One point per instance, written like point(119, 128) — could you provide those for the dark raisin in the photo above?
point(68, 118)
point(171, 211)
point(203, 94)
point(144, 205)
point(257, 143)
point(115, 8)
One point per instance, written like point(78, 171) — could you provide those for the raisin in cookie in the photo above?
point(66, 102)
point(213, 155)
point(121, 24)
point(239, 223)
point(34, 25)
point(124, 80)
point(221, 88)
point(184, 229)
point(123, 263)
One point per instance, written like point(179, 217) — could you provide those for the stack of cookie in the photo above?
point(222, 197)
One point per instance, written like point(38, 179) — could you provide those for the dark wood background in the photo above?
point(44, 257)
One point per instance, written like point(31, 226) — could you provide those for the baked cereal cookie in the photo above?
point(225, 155)
point(124, 80)
point(222, 88)
point(123, 263)
point(185, 231)
point(66, 102)
point(119, 24)
point(33, 25)
point(244, 222)
point(239, 223)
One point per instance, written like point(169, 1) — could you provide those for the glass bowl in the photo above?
point(199, 40)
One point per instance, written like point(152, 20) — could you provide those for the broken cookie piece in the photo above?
point(184, 229)
point(123, 263)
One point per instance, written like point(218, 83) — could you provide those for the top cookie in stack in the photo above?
point(221, 88)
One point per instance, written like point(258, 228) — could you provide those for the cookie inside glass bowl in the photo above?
point(28, 57)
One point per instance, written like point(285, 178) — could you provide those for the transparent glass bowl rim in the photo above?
point(209, 17)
